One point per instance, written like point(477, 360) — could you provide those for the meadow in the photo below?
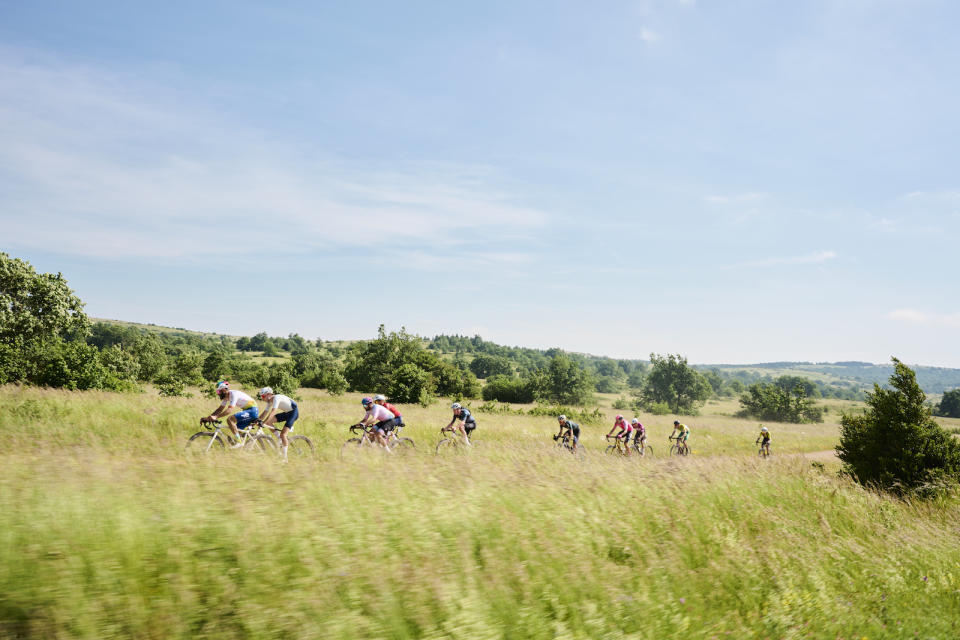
point(109, 530)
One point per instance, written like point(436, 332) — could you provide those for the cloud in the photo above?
point(649, 36)
point(814, 258)
point(924, 319)
point(99, 164)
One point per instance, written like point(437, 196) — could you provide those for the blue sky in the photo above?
point(732, 181)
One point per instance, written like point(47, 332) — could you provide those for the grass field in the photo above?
point(109, 530)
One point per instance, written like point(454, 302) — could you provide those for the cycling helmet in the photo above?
point(619, 417)
point(676, 422)
point(456, 405)
point(366, 402)
point(379, 397)
point(763, 428)
point(222, 387)
point(634, 421)
point(265, 391)
point(562, 418)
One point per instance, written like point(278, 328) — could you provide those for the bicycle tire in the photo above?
point(197, 445)
point(300, 446)
point(261, 443)
point(402, 445)
point(648, 451)
point(350, 448)
point(611, 449)
point(675, 450)
point(448, 445)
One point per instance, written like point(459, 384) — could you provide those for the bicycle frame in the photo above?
point(245, 434)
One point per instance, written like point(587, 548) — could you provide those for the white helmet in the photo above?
point(379, 397)
point(223, 384)
point(456, 405)
point(265, 391)
point(634, 421)
point(561, 418)
point(763, 428)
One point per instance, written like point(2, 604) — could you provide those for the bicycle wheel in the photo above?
point(611, 449)
point(675, 450)
point(300, 446)
point(260, 444)
point(202, 442)
point(450, 446)
point(401, 446)
point(351, 448)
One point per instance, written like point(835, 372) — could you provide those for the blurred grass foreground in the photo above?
point(110, 531)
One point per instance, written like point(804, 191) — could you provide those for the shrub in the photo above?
point(507, 389)
point(895, 445)
point(621, 403)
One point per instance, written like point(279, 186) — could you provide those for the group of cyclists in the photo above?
point(625, 431)
point(244, 412)
point(381, 417)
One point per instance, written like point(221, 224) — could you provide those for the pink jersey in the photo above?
point(623, 424)
point(376, 413)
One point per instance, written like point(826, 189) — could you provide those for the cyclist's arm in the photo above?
point(220, 411)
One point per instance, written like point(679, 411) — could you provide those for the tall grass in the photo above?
point(108, 530)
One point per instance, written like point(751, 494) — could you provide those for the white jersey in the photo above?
point(238, 398)
point(280, 403)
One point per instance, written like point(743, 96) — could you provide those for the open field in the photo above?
point(109, 530)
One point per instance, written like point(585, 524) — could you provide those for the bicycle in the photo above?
point(455, 442)
point(204, 441)
point(678, 448)
point(394, 443)
point(643, 452)
point(618, 446)
point(764, 451)
point(566, 442)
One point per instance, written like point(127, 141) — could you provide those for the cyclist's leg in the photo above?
point(576, 438)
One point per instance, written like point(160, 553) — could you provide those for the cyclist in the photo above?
point(683, 432)
point(571, 427)
point(765, 438)
point(467, 422)
point(382, 401)
point(639, 435)
point(280, 408)
point(247, 410)
point(626, 429)
point(377, 417)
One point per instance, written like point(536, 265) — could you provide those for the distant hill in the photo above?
point(933, 380)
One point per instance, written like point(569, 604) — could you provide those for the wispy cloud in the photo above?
point(94, 164)
point(649, 36)
point(813, 258)
point(925, 319)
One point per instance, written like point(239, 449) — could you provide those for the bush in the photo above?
point(577, 415)
point(507, 389)
point(775, 402)
point(895, 445)
point(621, 403)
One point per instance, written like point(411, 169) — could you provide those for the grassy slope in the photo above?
point(108, 531)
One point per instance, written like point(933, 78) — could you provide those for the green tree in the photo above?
point(486, 366)
point(771, 401)
point(949, 406)
point(673, 382)
point(37, 306)
point(895, 445)
point(567, 382)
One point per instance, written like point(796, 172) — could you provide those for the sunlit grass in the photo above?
point(109, 530)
